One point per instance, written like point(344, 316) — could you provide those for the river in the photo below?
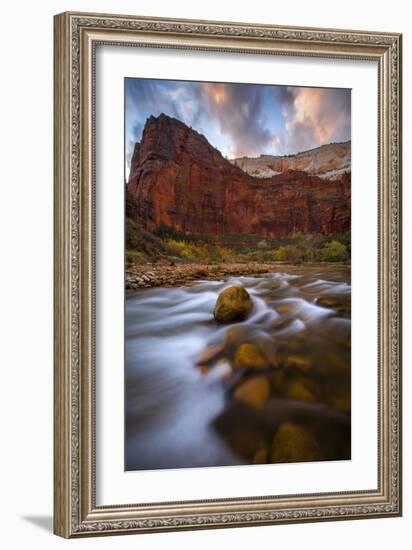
point(178, 415)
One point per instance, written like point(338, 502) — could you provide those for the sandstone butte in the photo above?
point(180, 181)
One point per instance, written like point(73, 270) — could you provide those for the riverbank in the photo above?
point(150, 275)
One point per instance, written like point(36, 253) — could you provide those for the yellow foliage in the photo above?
point(199, 251)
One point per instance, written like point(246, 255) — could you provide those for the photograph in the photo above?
point(237, 299)
point(227, 273)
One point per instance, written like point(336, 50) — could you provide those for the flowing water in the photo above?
point(178, 415)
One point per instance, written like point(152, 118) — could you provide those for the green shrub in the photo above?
point(290, 253)
point(141, 241)
point(334, 251)
point(299, 247)
point(135, 256)
point(196, 251)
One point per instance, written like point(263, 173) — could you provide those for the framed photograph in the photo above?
point(227, 274)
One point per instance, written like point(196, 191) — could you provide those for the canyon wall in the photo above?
point(180, 181)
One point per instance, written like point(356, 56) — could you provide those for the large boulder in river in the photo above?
point(233, 304)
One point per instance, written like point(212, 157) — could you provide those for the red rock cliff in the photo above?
point(177, 179)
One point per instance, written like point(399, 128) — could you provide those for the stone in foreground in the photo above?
point(294, 443)
point(233, 304)
point(253, 392)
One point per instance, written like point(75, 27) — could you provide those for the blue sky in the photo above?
point(241, 119)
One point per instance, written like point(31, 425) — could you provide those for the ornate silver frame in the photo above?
point(75, 38)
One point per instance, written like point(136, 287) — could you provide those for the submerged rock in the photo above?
point(220, 370)
point(341, 403)
point(261, 456)
point(242, 429)
point(294, 443)
point(298, 390)
point(253, 392)
point(236, 335)
point(341, 303)
point(233, 304)
point(300, 362)
point(249, 356)
point(286, 308)
point(279, 383)
point(244, 333)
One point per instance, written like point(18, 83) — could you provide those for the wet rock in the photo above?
point(249, 356)
point(294, 443)
point(204, 369)
point(333, 363)
point(210, 353)
point(297, 389)
point(286, 308)
point(246, 333)
point(282, 322)
point(341, 403)
point(341, 303)
point(219, 370)
point(233, 304)
point(338, 331)
point(241, 427)
point(269, 348)
point(261, 455)
point(253, 392)
point(300, 362)
point(235, 336)
point(279, 382)
point(336, 391)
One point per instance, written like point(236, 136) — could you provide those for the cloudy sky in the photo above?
point(241, 119)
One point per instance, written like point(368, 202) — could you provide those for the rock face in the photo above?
point(329, 161)
point(179, 181)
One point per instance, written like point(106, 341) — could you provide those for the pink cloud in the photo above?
point(317, 116)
